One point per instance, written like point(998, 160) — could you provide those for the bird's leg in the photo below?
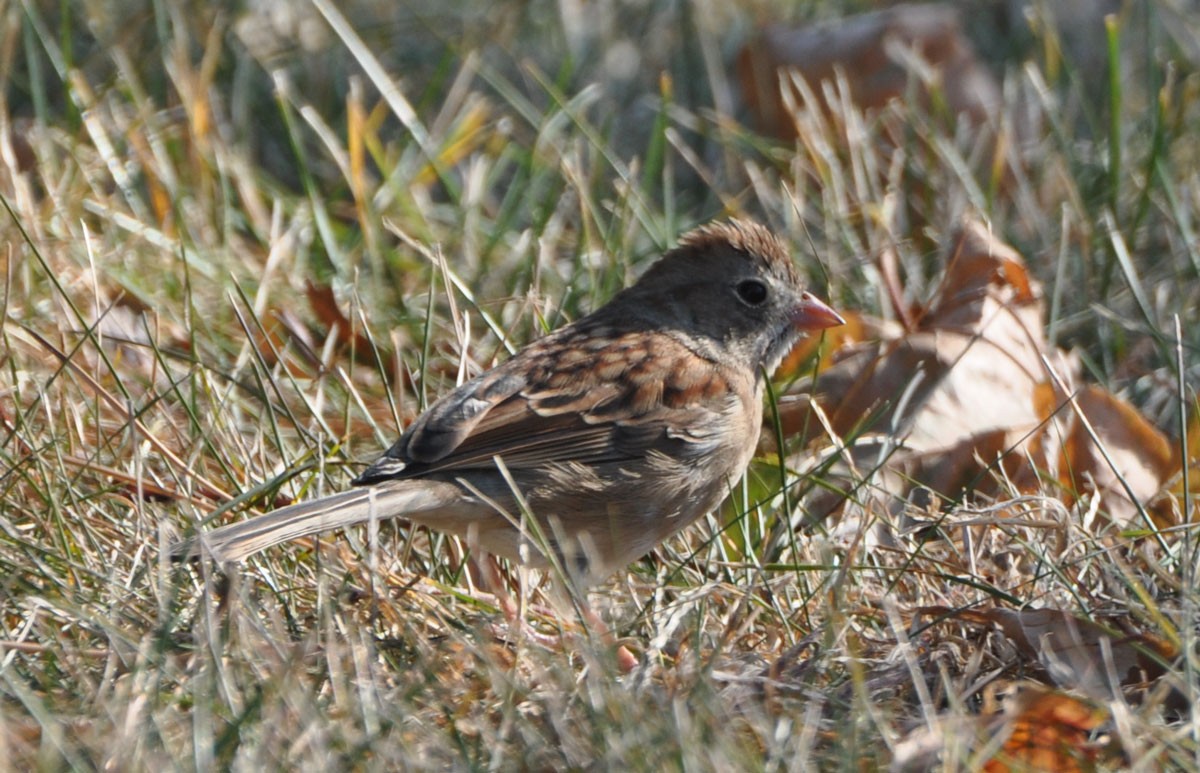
point(486, 574)
point(626, 660)
point(575, 598)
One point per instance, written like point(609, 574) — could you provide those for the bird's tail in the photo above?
point(391, 500)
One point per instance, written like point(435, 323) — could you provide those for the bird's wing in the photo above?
point(568, 400)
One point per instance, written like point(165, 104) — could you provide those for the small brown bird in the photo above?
point(613, 432)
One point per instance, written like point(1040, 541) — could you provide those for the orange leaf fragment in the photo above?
point(325, 306)
point(1047, 730)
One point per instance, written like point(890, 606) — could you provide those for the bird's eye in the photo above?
point(752, 292)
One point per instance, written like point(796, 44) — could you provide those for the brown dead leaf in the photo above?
point(1046, 730)
point(23, 158)
point(974, 395)
point(878, 53)
point(969, 369)
point(280, 332)
point(1032, 726)
point(1187, 476)
point(796, 363)
point(1124, 458)
point(325, 306)
point(985, 278)
point(953, 394)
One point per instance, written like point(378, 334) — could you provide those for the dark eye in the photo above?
point(752, 292)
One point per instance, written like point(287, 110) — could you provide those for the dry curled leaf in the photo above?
point(1110, 449)
point(1047, 730)
point(879, 54)
point(325, 306)
point(973, 394)
point(1023, 726)
point(954, 393)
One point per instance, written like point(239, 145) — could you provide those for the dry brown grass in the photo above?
point(231, 275)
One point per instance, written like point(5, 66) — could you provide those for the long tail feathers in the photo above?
point(238, 540)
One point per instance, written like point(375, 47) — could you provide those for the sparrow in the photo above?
point(593, 444)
